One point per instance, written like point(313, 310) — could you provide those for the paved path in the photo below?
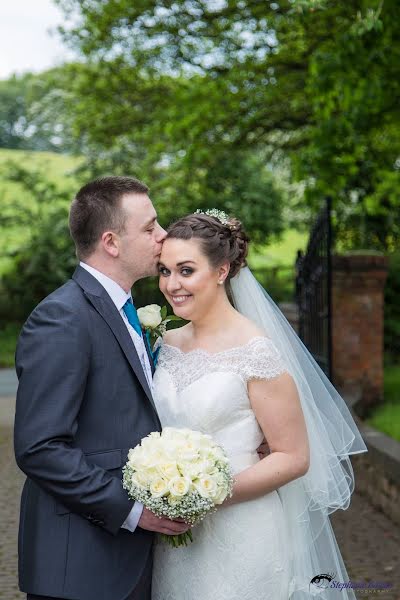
point(370, 542)
point(11, 480)
point(8, 382)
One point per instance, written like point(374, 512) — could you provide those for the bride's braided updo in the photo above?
point(221, 240)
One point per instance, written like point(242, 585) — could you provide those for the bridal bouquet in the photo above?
point(178, 473)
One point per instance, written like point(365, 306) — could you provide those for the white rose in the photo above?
point(208, 466)
point(220, 495)
point(136, 458)
point(158, 487)
point(153, 458)
point(206, 486)
point(141, 479)
point(168, 469)
point(218, 458)
point(150, 315)
point(192, 469)
point(168, 432)
point(179, 486)
point(150, 442)
point(170, 447)
point(187, 452)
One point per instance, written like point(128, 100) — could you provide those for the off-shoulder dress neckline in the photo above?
point(227, 350)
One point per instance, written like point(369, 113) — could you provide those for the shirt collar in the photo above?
point(113, 289)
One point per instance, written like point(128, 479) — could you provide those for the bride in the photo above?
point(238, 372)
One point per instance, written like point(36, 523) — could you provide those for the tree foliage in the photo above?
point(45, 257)
point(13, 112)
point(34, 113)
point(180, 86)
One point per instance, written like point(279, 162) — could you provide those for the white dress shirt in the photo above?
point(119, 297)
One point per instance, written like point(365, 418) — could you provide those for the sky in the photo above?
point(25, 41)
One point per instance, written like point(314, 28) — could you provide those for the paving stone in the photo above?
point(370, 545)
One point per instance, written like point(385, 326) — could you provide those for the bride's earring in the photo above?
point(220, 282)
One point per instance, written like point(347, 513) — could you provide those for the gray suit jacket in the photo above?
point(82, 402)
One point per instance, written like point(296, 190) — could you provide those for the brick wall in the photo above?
point(357, 327)
point(377, 472)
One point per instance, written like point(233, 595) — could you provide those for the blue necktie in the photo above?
point(131, 314)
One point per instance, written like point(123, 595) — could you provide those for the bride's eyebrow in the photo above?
point(185, 262)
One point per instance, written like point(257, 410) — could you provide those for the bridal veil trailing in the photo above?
point(333, 437)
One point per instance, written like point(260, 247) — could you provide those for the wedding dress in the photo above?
point(280, 546)
point(241, 551)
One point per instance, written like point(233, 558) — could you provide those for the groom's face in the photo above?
point(141, 242)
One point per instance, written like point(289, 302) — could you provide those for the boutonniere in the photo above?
point(154, 320)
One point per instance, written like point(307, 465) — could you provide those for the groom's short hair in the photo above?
point(97, 208)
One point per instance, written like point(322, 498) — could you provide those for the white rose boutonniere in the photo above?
point(154, 320)
point(150, 316)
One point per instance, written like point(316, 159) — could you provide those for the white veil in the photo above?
point(333, 436)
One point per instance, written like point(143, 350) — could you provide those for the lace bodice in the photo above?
point(258, 359)
point(208, 392)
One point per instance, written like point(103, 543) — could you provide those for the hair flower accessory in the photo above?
point(218, 214)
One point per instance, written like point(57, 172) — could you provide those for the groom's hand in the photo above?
point(151, 522)
point(263, 449)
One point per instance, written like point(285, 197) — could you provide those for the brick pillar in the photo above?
point(357, 328)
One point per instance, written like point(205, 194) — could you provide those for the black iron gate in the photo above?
point(313, 290)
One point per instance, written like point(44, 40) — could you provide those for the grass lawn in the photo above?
point(281, 253)
point(386, 418)
point(274, 264)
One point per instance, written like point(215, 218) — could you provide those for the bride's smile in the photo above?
point(180, 299)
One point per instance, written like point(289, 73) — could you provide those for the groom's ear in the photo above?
point(109, 241)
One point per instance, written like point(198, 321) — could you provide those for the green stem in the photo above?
point(183, 539)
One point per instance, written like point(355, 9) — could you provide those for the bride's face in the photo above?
point(187, 280)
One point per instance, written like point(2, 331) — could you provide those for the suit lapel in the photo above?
point(100, 300)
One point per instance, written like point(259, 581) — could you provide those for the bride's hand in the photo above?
point(263, 449)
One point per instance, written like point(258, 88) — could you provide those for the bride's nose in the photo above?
point(173, 284)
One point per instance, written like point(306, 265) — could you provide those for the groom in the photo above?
point(84, 398)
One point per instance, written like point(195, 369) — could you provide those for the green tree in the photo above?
point(34, 114)
point(195, 81)
point(354, 146)
point(13, 112)
point(45, 257)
